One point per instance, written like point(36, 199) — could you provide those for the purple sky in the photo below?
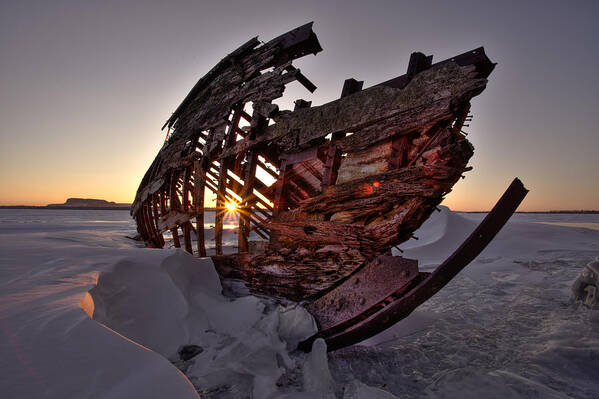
point(85, 86)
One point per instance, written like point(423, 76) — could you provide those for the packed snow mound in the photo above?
point(234, 347)
point(176, 300)
point(440, 226)
point(52, 349)
point(440, 235)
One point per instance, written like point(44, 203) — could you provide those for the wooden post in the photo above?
point(331, 166)
point(418, 63)
point(187, 225)
point(299, 104)
point(218, 217)
point(198, 202)
point(155, 202)
point(141, 226)
point(244, 213)
point(162, 194)
point(174, 205)
point(351, 86)
point(147, 218)
point(279, 200)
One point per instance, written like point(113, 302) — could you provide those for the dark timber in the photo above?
point(353, 178)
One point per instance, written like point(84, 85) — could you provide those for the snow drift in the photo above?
point(177, 300)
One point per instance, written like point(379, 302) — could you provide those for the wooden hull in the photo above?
point(352, 178)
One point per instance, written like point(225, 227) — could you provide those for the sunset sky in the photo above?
point(85, 86)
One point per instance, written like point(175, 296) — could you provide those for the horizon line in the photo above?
point(123, 207)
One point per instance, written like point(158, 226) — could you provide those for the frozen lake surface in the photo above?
point(503, 328)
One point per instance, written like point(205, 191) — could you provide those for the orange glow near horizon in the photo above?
point(474, 194)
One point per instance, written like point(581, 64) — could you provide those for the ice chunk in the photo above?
point(317, 376)
point(295, 325)
point(586, 288)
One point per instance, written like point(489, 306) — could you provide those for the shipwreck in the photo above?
point(350, 180)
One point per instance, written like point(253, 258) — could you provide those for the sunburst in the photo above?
point(231, 206)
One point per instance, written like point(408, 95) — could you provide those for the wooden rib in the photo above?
point(263, 211)
point(256, 221)
point(296, 190)
point(312, 170)
point(155, 207)
point(141, 224)
point(266, 191)
point(301, 183)
point(263, 190)
point(331, 166)
point(280, 184)
point(211, 186)
point(218, 217)
point(254, 198)
point(163, 196)
point(186, 226)
point(175, 233)
point(261, 220)
point(163, 199)
point(267, 169)
point(248, 185)
point(256, 229)
point(155, 231)
point(245, 115)
point(147, 218)
point(198, 202)
point(155, 203)
point(174, 202)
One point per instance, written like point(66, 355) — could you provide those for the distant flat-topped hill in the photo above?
point(89, 203)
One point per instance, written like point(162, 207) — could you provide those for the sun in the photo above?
point(231, 206)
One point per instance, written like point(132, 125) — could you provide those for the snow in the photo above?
point(505, 327)
point(317, 376)
point(175, 299)
point(49, 347)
